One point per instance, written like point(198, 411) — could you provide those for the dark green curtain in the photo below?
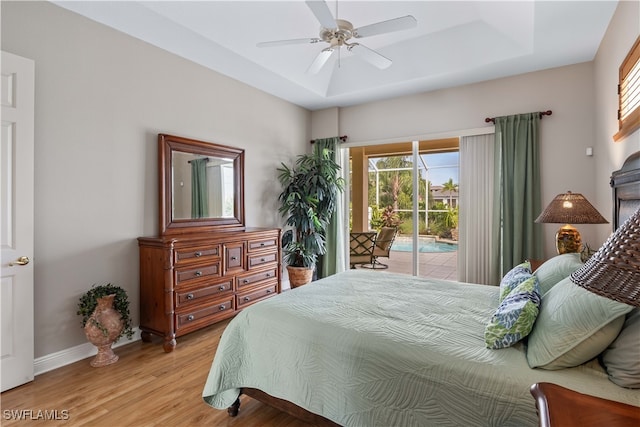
point(327, 263)
point(517, 181)
point(199, 189)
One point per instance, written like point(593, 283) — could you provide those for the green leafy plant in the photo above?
point(386, 217)
point(89, 301)
point(308, 200)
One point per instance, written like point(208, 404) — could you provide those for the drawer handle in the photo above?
point(247, 299)
point(268, 274)
point(190, 317)
point(198, 273)
point(190, 296)
point(222, 307)
point(221, 288)
point(269, 291)
point(233, 258)
point(262, 243)
point(245, 281)
point(197, 254)
point(262, 259)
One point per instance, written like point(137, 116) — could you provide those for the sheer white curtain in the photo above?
point(342, 212)
point(477, 249)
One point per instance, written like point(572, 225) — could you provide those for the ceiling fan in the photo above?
point(338, 33)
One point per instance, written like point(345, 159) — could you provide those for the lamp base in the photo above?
point(568, 240)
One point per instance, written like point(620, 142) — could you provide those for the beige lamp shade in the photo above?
point(570, 208)
point(614, 271)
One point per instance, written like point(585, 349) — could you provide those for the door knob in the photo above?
point(23, 260)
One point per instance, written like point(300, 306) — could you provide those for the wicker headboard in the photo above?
point(626, 189)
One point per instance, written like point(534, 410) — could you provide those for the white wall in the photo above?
point(623, 31)
point(325, 123)
point(564, 136)
point(101, 99)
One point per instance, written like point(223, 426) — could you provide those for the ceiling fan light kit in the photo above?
point(337, 33)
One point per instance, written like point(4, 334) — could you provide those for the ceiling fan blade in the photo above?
point(288, 42)
point(396, 24)
point(322, 13)
point(370, 56)
point(320, 60)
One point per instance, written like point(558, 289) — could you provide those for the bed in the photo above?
point(371, 348)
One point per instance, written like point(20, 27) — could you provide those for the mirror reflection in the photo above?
point(202, 186)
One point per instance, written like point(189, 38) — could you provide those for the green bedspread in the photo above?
point(369, 348)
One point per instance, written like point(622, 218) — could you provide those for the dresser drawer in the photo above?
point(260, 244)
point(248, 298)
point(261, 259)
point(189, 275)
point(234, 257)
point(196, 254)
point(190, 296)
point(206, 314)
point(250, 279)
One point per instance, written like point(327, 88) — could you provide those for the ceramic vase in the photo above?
point(102, 329)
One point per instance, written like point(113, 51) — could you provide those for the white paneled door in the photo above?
point(16, 221)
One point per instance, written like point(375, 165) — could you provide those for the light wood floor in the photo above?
point(146, 387)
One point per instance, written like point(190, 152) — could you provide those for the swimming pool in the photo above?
point(425, 244)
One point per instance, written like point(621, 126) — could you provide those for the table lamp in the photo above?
point(570, 208)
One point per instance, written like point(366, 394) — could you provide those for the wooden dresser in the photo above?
point(204, 265)
point(190, 281)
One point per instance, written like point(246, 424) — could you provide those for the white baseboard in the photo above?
point(67, 356)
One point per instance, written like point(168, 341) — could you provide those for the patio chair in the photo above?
point(361, 247)
point(382, 248)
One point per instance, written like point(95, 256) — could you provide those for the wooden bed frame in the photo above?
point(626, 189)
point(283, 405)
point(625, 184)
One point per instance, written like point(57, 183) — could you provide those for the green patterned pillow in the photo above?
point(513, 278)
point(514, 318)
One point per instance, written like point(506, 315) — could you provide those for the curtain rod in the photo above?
point(542, 113)
point(342, 138)
point(206, 159)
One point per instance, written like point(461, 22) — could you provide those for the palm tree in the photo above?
point(396, 185)
point(450, 187)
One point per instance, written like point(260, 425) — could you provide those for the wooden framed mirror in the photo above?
point(201, 186)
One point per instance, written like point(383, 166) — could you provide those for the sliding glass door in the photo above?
point(415, 190)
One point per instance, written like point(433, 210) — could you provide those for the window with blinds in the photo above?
point(629, 93)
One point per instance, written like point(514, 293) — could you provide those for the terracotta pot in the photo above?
point(102, 329)
point(299, 276)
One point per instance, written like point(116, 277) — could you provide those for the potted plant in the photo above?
point(105, 318)
point(308, 200)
